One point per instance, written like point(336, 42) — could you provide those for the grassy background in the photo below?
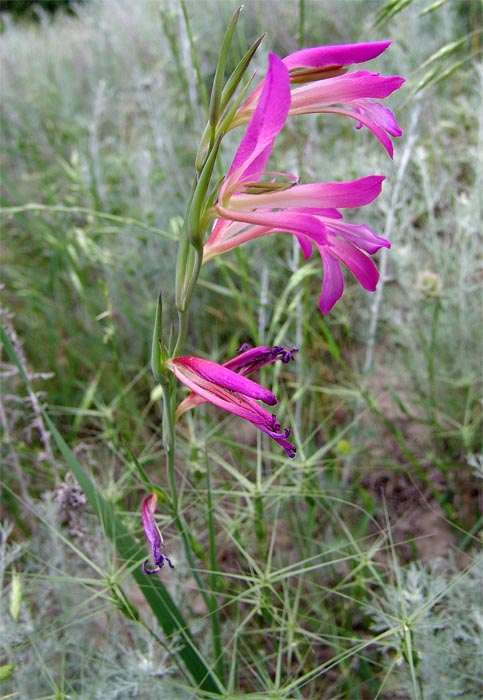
point(351, 572)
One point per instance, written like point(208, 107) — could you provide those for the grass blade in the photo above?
point(155, 593)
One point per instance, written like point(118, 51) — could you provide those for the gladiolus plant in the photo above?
point(249, 202)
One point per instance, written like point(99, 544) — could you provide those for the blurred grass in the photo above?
point(99, 124)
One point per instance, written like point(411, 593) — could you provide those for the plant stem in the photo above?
point(169, 441)
point(377, 299)
point(213, 603)
point(430, 358)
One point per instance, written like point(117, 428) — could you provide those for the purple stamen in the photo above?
point(249, 359)
point(287, 355)
point(160, 560)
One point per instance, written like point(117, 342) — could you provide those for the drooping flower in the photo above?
point(153, 535)
point(227, 387)
point(249, 207)
point(320, 84)
point(247, 361)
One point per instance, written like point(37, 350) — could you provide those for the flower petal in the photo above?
point(333, 282)
point(364, 119)
point(286, 220)
point(355, 193)
point(223, 387)
point(230, 401)
point(344, 89)
point(267, 121)
point(358, 263)
point(153, 535)
point(360, 235)
point(254, 358)
point(337, 55)
point(197, 369)
point(151, 530)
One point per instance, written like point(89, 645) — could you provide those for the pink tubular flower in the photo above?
point(319, 84)
point(247, 361)
point(153, 535)
point(249, 208)
point(231, 390)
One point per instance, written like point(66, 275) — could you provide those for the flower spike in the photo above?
point(310, 212)
point(153, 535)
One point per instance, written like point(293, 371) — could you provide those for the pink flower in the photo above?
point(319, 84)
point(231, 390)
point(249, 208)
point(247, 361)
point(153, 535)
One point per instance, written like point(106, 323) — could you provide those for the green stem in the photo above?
point(213, 603)
point(430, 355)
point(172, 34)
point(182, 331)
point(301, 36)
point(259, 506)
point(194, 58)
point(169, 441)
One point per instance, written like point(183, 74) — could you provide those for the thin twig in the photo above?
point(411, 137)
point(38, 421)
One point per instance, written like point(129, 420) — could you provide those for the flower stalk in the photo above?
point(252, 202)
point(249, 202)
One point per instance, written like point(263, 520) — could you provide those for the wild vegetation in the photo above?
point(353, 571)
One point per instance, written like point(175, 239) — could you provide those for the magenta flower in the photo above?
point(320, 85)
point(248, 207)
point(153, 535)
point(247, 361)
point(227, 387)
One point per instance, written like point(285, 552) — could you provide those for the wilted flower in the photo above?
point(429, 284)
point(227, 387)
point(153, 535)
point(247, 361)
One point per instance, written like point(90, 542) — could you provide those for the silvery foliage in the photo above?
point(69, 633)
point(441, 611)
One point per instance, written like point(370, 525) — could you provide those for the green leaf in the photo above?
point(157, 596)
point(390, 9)
point(235, 78)
point(220, 70)
point(155, 593)
point(6, 671)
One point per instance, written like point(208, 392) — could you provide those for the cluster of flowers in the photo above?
point(252, 202)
